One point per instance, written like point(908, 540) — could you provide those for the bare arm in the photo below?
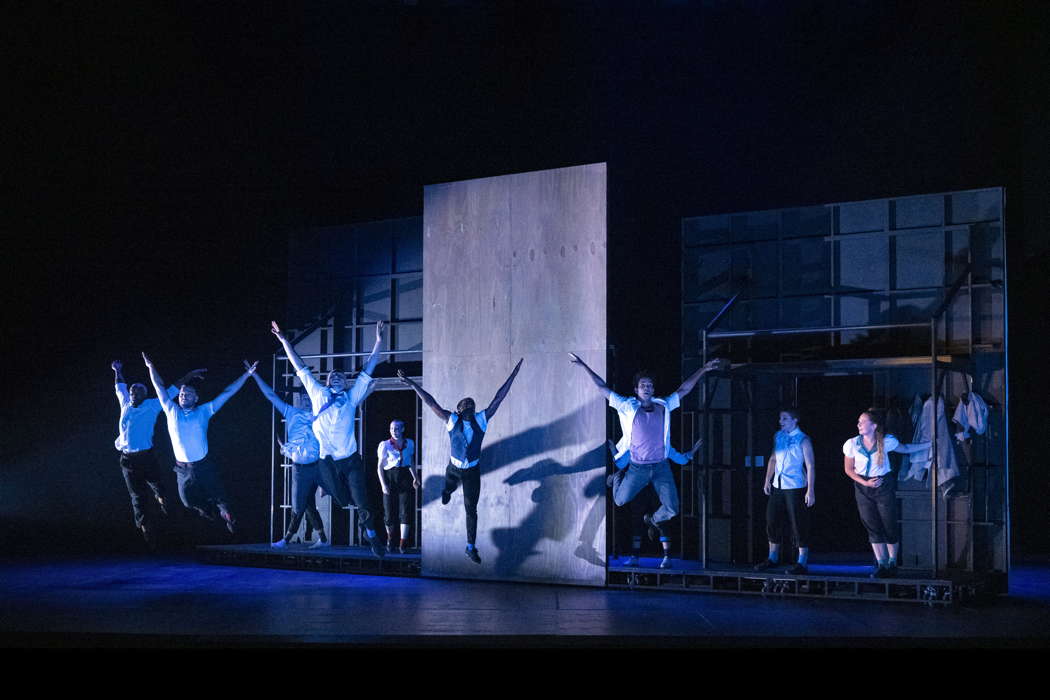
point(158, 383)
point(689, 383)
point(771, 469)
point(502, 393)
point(232, 389)
point(811, 472)
point(851, 472)
point(913, 447)
point(598, 381)
point(269, 393)
point(293, 356)
point(373, 359)
point(118, 379)
point(425, 397)
point(190, 376)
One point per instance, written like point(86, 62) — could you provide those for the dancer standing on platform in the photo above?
point(466, 429)
point(399, 479)
point(341, 470)
point(875, 486)
point(200, 486)
point(302, 448)
point(142, 472)
point(645, 446)
point(789, 483)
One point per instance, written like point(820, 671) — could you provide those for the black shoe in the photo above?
point(150, 536)
point(204, 514)
point(796, 569)
point(655, 532)
point(765, 564)
point(373, 542)
point(162, 505)
point(883, 572)
point(472, 554)
point(445, 498)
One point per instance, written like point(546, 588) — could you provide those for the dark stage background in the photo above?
point(162, 155)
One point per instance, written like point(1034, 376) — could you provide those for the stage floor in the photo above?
point(167, 601)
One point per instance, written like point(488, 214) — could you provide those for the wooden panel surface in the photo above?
point(515, 266)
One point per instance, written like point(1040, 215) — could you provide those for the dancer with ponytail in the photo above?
point(875, 486)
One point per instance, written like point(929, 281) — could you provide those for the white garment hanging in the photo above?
point(920, 461)
point(971, 415)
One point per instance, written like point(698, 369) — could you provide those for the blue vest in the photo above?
point(462, 450)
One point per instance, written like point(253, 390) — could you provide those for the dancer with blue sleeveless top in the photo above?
point(466, 429)
point(789, 483)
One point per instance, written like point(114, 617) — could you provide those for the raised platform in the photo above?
point(348, 560)
point(828, 581)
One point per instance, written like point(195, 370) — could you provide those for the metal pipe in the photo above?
point(821, 329)
point(933, 453)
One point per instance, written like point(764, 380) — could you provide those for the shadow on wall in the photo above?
point(556, 511)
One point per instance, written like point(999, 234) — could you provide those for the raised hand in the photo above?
point(404, 380)
point(116, 365)
point(252, 367)
point(145, 358)
point(717, 363)
point(379, 330)
point(276, 330)
point(575, 359)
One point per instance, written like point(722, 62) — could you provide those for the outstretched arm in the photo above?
point(293, 356)
point(689, 383)
point(373, 359)
point(598, 381)
point(118, 379)
point(502, 393)
point(912, 447)
point(232, 389)
point(425, 397)
point(190, 376)
point(269, 393)
point(158, 383)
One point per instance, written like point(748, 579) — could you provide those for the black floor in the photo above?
point(146, 602)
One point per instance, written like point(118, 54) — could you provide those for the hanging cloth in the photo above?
point(947, 468)
point(971, 415)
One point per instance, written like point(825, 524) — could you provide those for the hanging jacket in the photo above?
point(972, 416)
point(947, 468)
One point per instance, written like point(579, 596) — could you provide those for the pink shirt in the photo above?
point(647, 436)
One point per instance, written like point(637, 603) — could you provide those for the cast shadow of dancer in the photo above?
point(555, 514)
point(549, 499)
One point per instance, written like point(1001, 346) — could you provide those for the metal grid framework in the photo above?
point(385, 284)
point(963, 317)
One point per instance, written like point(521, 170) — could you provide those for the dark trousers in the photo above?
point(200, 487)
point(878, 510)
point(471, 480)
point(305, 480)
point(789, 503)
point(344, 480)
point(397, 505)
point(144, 479)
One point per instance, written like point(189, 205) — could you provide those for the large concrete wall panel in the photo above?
point(515, 267)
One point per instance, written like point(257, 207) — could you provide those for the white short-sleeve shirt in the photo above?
point(188, 430)
point(627, 407)
point(863, 459)
point(135, 429)
point(391, 458)
point(790, 471)
point(334, 427)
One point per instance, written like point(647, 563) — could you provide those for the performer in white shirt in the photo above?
point(645, 448)
point(399, 479)
point(200, 486)
point(342, 471)
point(138, 462)
point(789, 483)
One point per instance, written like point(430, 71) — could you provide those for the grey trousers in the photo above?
point(659, 474)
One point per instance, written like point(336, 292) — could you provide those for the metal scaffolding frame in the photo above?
point(939, 365)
